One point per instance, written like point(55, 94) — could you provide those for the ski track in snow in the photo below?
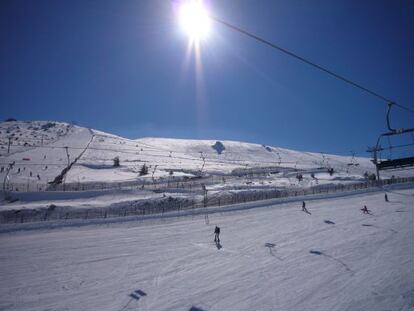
point(274, 258)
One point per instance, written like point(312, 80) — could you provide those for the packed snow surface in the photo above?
point(270, 258)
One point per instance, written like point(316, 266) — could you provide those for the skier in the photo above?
point(386, 198)
point(304, 209)
point(217, 234)
point(365, 210)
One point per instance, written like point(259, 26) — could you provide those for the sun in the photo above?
point(194, 20)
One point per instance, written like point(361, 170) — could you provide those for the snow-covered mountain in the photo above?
point(41, 150)
point(43, 155)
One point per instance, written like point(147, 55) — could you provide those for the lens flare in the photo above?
point(194, 20)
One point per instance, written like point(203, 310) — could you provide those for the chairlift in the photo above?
point(392, 162)
point(353, 161)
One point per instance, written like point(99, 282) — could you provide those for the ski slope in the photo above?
point(271, 258)
point(72, 167)
point(38, 151)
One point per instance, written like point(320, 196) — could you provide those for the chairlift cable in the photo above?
point(304, 60)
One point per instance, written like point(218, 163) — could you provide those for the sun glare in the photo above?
point(194, 19)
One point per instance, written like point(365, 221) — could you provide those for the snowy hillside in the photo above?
point(38, 150)
point(270, 258)
point(42, 155)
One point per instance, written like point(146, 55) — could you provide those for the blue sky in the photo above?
point(120, 66)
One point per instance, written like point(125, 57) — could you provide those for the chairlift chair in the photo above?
point(353, 161)
point(392, 162)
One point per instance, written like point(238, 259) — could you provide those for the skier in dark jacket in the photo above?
point(365, 210)
point(217, 234)
point(304, 209)
point(386, 198)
